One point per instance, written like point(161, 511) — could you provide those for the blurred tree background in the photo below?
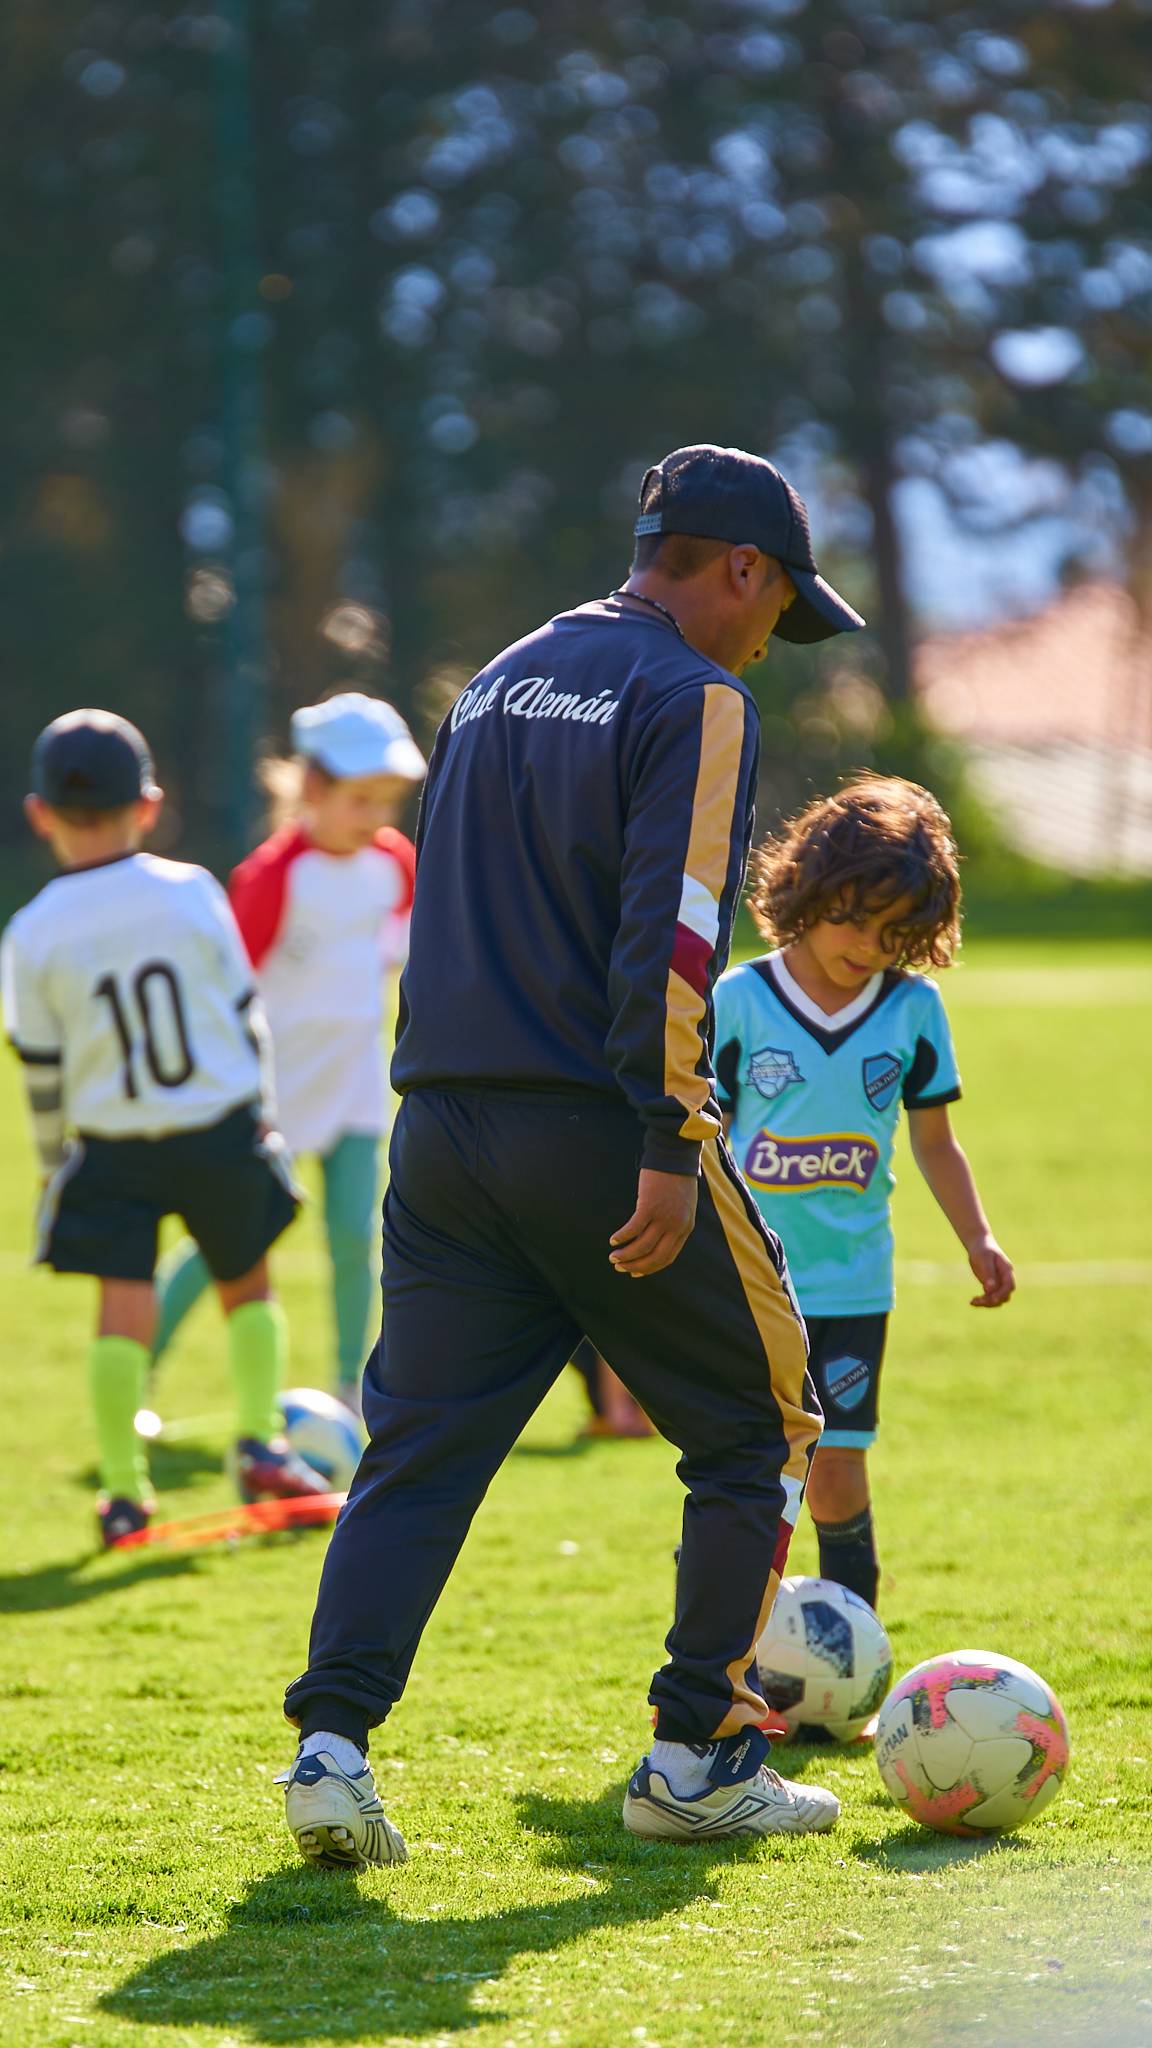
point(337, 338)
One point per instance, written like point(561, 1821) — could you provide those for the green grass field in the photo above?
point(150, 1897)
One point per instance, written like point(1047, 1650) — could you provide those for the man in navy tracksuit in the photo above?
point(582, 842)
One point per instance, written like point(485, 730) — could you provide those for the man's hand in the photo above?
point(993, 1269)
point(660, 1225)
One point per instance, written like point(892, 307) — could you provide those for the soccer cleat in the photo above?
point(274, 1471)
point(742, 1797)
point(119, 1518)
point(338, 1821)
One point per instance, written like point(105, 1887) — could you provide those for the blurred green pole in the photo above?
point(245, 331)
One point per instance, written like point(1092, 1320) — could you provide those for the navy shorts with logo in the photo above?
point(844, 1357)
point(231, 1185)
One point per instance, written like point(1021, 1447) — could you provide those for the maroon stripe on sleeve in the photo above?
point(692, 958)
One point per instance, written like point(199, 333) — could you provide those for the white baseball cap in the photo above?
point(357, 735)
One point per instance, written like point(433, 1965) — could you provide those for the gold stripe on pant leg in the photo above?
point(786, 1356)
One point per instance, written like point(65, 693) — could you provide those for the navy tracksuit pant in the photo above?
point(496, 1225)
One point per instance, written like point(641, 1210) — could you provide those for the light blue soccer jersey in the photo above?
point(815, 1101)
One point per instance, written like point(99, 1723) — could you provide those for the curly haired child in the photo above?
point(820, 1043)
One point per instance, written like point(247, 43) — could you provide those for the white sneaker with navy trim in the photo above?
point(337, 1818)
point(742, 1796)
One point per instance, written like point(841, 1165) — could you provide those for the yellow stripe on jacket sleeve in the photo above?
point(705, 875)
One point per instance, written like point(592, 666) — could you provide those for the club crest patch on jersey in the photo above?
point(771, 1071)
point(883, 1074)
point(839, 1159)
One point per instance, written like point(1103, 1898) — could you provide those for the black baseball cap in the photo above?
point(726, 494)
point(92, 760)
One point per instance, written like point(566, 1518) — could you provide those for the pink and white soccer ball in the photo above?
point(972, 1743)
point(824, 1658)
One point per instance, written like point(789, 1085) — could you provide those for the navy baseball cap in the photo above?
point(726, 494)
point(92, 760)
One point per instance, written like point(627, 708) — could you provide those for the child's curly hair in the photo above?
point(878, 842)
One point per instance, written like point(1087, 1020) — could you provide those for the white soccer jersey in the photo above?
point(321, 931)
point(132, 981)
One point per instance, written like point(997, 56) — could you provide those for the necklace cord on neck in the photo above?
point(638, 597)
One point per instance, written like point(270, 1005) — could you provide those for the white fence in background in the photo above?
point(1085, 807)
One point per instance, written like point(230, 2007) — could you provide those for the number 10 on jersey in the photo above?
point(148, 1014)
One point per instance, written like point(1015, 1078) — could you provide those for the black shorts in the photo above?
point(232, 1188)
point(845, 1357)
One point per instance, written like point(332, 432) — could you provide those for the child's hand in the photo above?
point(993, 1269)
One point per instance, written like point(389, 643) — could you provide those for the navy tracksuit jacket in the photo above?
point(582, 843)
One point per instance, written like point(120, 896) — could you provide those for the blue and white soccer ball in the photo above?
point(324, 1433)
point(824, 1658)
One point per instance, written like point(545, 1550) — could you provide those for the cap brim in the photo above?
point(400, 757)
point(816, 613)
point(403, 757)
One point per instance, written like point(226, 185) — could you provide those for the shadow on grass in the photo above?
point(908, 1846)
point(912, 1848)
point(575, 1449)
point(173, 1466)
point(309, 1957)
point(579, 1445)
point(81, 1579)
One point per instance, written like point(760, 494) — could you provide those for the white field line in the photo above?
point(909, 1273)
point(304, 1263)
point(912, 1272)
point(188, 1426)
point(1065, 988)
point(1053, 1273)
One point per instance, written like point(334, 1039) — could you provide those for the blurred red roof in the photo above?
point(1079, 671)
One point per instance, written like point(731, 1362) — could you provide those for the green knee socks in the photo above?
point(354, 1287)
point(257, 1352)
point(352, 1222)
point(117, 1374)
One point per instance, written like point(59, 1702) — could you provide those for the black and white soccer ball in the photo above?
point(323, 1432)
point(824, 1658)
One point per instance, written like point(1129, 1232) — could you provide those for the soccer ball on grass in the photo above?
point(972, 1743)
point(824, 1659)
point(324, 1433)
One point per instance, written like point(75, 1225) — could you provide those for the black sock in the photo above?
point(327, 1715)
point(848, 1555)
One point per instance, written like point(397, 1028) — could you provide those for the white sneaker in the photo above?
point(338, 1820)
point(758, 1802)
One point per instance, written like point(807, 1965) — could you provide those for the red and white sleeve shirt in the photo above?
point(322, 930)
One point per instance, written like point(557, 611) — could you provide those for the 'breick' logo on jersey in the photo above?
point(838, 1159)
